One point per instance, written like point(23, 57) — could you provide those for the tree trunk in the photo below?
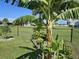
point(49, 56)
point(49, 33)
point(17, 30)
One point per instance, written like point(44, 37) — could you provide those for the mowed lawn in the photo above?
point(65, 33)
point(11, 49)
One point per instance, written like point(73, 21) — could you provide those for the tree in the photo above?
point(5, 28)
point(17, 23)
point(23, 20)
point(51, 10)
point(5, 21)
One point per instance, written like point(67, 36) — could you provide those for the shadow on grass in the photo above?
point(34, 54)
point(7, 37)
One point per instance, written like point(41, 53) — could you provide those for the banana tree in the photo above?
point(17, 23)
point(23, 20)
point(50, 10)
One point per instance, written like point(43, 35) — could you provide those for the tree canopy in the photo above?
point(5, 20)
point(24, 19)
point(43, 6)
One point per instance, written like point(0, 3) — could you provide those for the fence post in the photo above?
point(17, 30)
point(57, 37)
point(71, 34)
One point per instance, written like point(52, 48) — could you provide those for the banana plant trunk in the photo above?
point(49, 33)
point(49, 36)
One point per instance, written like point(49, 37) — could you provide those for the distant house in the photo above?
point(74, 22)
point(70, 22)
point(9, 23)
point(28, 24)
point(0, 22)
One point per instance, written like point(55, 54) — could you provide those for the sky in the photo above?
point(61, 21)
point(11, 12)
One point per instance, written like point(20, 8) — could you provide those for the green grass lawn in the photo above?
point(62, 32)
point(75, 43)
point(11, 49)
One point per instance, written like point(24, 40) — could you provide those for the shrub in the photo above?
point(5, 30)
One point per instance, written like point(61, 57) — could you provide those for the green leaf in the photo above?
point(70, 13)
